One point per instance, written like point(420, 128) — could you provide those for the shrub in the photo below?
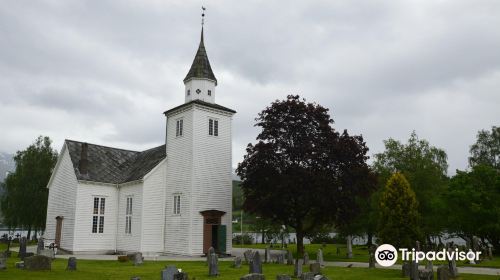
point(247, 239)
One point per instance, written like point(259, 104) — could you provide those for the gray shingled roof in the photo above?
point(112, 165)
point(203, 103)
point(201, 66)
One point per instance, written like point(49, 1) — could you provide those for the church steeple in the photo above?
point(201, 68)
point(200, 81)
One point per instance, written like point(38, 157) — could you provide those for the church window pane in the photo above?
point(179, 127)
point(177, 204)
point(98, 215)
point(213, 127)
point(128, 216)
point(209, 93)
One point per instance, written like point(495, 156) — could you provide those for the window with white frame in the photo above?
point(98, 215)
point(179, 127)
point(209, 93)
point(128, 216)
point(177, 204)
point(213, 127)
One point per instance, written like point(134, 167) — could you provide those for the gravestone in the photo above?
point(413, 270)
point(71, 264)
point(37, 263)
point(247, 255)
point(430, 266)
point(138, 259)
point(3, 263)
point(181, 276)
point(425, 274)
point(280, 258)
point(237, 262)
point(253, 276)
point(452, 266)
point(283, 277)
point(472, 261)
point(298, 268)
point(349, 246)
point(135, 278)
point(213, 266)
point(289, 258)
point(319, 258)
point(307, 276)
point(255, 264)
point(315, 268)
point(47, 252)
point(40, 246)
point(19, 265)
point(443, 273)
point(490, 253)
point(405, 268)
point(320, 277)
point(267, 255)
point(211, 251)
point(306, 258)
point(168, 272)
point(22, 248)
point(371, 260)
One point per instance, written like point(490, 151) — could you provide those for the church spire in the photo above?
point(201, 65)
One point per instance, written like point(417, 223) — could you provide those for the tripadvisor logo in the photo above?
point(387, 255)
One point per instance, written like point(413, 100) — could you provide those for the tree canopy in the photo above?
point(425, 168)
point(24, 201)
point(486, 150)
point(399, 218)
point(301, 172)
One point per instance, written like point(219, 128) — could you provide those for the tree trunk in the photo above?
point(29, 233)
point(349, 246)
point(300, 244)
point(369, 241)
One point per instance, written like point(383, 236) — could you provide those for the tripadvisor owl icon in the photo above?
point(386, 255)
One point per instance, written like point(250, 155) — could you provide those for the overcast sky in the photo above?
point(104, 71)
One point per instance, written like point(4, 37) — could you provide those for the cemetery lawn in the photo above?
point(360, 254)
point(96, 270)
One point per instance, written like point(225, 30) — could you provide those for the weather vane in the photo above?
point(203, 9)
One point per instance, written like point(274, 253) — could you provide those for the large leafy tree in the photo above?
point(473, 204)
point(24, 201)
point(399, 218)
point(302, 173)
point(425, 168)
point(486, 150)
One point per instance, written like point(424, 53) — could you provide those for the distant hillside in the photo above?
point(6, 165)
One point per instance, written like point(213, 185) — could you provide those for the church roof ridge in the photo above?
point(201, 65)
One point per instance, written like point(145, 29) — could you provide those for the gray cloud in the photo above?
point(105, 71)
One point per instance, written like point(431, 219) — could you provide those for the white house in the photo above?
point(172, 199)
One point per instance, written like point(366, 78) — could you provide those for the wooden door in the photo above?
point(57, 241)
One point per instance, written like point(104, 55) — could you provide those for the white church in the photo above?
point(171, 199)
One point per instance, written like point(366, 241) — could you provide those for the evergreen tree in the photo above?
point(398, 224)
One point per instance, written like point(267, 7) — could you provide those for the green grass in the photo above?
point(96, 270)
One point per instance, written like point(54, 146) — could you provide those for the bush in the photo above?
point(247, 239)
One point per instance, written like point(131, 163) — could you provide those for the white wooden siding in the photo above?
point(179, 168)
point(212, 185)
point(85, 240)
point(61, 201)
point(153, 213)
point(130, 242)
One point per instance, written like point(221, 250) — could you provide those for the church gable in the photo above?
point(102, 164)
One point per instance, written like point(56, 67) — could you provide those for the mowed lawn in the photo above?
point(95, 270)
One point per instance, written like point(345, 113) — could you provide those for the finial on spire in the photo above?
point(203, 15)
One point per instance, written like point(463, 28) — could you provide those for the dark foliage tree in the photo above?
point(399, 218)
point(302, 173)
point(24, 202)
point(473, 203)
point(425, 168)
point(486, 150)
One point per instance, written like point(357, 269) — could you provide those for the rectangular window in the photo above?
point(98, 215)
point(210, 127)
point(209, 93)
point(213, 127)
point(128, 216)
point(177, 204)
point(178, 127)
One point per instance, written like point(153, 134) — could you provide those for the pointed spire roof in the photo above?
point(201, 66)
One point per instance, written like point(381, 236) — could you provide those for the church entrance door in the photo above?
point(57, 241)
point(214, 234)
